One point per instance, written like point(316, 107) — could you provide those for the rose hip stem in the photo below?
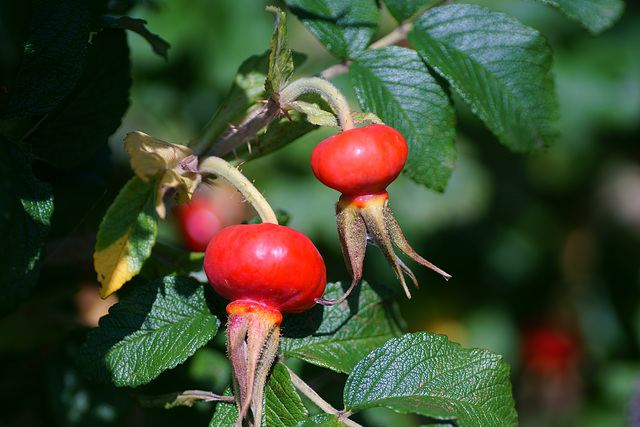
point(324, 88)
point(220, 167)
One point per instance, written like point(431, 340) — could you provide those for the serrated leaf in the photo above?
point(126, 235)
point(405, 9)
point(282, 404)
point(499, 66)
point(225, 414)
point(337, 337)
point(139, 26)
point(322, 420)
point(344, 27)
point(280, 59)
point(429, 375)
point(27, 206)
point(595, 15)
point(395, 84)
point(82, 123)
point(53, 56)
point(154, 328)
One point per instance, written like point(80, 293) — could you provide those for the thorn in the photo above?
point(286, 114)
point(263, 101)
point(249, 146)
point(232, 128)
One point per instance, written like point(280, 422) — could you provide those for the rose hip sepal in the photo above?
point(264, 270)
point(361, 163)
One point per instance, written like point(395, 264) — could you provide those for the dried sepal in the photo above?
point(398, 239)
point(253, 336)
point(368, 218)
point(352, 232)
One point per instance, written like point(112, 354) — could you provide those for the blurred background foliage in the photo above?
point(544, 249)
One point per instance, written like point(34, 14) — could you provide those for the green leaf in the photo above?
point(395, 84)
point(154, 328)
point(158, 44)
point(405, 9)
point(429, 375)
point(225, 414)
point(322, 420)
point(499, 66)
point(81, 124)
point(126, 235)
point(27, 206)
point(344, 27)
point(53, 56)
point(280, 59)
point(595, 15)
point(282, 404)
point(337, 337)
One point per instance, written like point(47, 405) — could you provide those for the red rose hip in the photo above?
point(264, 270)
point(266, 263)
point(360, 163)
point(360, 160)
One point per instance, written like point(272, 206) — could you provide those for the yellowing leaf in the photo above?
point(173, 165)
point(150, 156)
point(113, 261)
point(126, 235)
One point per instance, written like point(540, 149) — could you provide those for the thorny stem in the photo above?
point(240, 133)
point(325, 89)
point(220, 167)
point(343, 416)
point(261, 117)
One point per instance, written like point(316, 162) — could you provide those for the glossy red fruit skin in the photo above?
point(361, 160)
point(269, 264)
point(198, 221)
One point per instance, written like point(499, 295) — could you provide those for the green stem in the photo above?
point(220, 167)
point(325, 89)
point(343, 416)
